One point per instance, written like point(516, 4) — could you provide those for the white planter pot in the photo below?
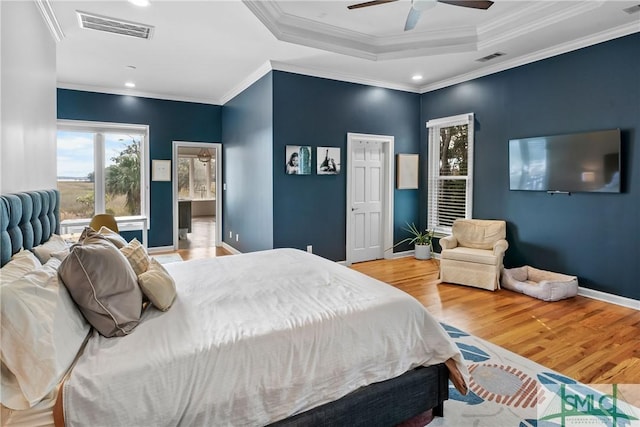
point(423, 252)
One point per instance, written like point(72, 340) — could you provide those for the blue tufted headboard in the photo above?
point(27, 219)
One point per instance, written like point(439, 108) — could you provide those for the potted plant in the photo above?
point(422, 241)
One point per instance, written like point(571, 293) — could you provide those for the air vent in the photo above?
point(115, 26)
point(490, 57)
point(632, 9)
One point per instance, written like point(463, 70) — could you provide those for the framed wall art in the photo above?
point(328, 159)
point(298, 160)
point(407, 171)
point(161, 170)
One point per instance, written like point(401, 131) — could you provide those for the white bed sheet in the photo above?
point(252, 339)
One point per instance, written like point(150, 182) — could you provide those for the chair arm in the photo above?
point(500, 247)
point(448, 242)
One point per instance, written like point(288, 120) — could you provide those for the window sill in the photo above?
point(125, 223)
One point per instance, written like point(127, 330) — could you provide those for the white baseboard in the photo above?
point(157, 249)
point(230, 248)
point(611, 298)
point(403, 254)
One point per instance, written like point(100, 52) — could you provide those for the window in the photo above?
point(101, 169)
point(450, 171)
point(196, 179)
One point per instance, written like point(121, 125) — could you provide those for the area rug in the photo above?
point(168, 258)
point(508, 390)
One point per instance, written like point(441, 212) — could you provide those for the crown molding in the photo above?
point(529, 19)
point(311, 33)
point(49, 16)
point(614, 33)
point(261, 71)
point(140, 94)
point(343, 77)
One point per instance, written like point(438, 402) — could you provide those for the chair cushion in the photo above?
point(478, 233)
point(478, 256)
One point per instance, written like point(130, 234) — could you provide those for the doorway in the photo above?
point(197, 200)
point(370, 174)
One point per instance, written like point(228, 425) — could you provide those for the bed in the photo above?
point(278, 337)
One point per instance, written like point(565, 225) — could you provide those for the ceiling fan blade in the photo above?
point(412, 19)
point(476, 4)
point(369, 3)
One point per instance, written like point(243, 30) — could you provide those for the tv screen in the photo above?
point(578, 162)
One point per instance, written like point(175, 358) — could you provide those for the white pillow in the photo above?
point(19, 265)
point(42, 332)
point(55, 244)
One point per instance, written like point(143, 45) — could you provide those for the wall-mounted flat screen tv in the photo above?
point(578, 162)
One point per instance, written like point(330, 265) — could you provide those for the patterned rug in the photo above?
point(508, 390)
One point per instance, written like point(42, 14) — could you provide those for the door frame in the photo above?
point(387, 204)
point(174, 173)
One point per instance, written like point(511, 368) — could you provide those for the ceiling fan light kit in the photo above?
point(418, 6)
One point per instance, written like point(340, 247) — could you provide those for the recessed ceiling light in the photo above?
point(141, 3)
point(130, 84)
point(417, 77)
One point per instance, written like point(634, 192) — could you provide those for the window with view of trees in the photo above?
point(450, 171)
point(100, 169)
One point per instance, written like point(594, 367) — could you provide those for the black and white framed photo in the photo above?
point(298, 159)
point(328, 159)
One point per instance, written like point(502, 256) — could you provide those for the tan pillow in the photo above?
point(105, 287)
point(115, 238)
point(89, 235)
point(137, 256)
point(158, 286)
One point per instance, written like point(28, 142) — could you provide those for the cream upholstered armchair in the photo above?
point(473, 254)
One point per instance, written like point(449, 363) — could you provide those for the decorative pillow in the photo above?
point(42, 332)
point(115, 238)
point(137, 256)
point(19, 265)
point(105, 287)
point(89, 235)
point(158, 285)
point(55, 244)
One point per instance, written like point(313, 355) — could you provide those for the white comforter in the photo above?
point(252, 339)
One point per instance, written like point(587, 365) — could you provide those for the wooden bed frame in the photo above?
point(28, 219)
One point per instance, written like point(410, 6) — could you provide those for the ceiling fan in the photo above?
point(417, 6)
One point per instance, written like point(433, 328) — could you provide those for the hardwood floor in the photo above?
point(586, 339)
point(200, 242)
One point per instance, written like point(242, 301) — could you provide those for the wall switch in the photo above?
point(231, 234)
point(224, 187)
point(237, 237)
point(310, 249)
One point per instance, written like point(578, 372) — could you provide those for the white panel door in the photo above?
point(367, 198)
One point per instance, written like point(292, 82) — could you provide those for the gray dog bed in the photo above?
point(544, 285)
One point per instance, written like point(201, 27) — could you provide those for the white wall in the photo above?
point(28, 92)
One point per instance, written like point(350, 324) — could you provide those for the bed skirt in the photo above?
point(384, 404)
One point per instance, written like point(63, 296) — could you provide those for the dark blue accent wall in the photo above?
point(311, 209)
point(247, 167)
point(168, 121)
point(591, 235)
